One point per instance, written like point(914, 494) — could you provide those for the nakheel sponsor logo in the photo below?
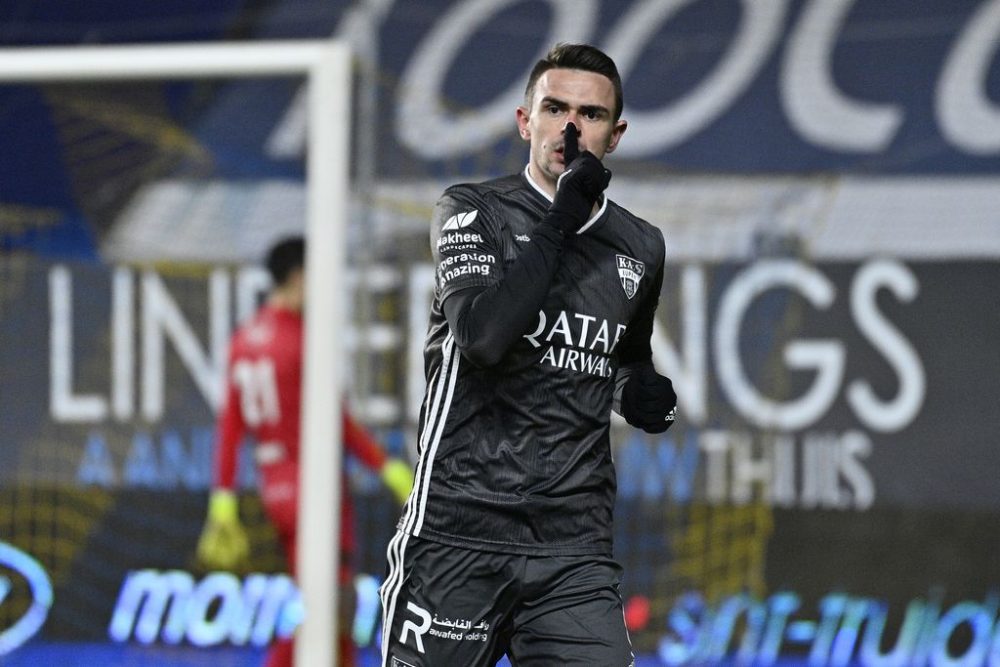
point(460, 221)
point(459, 241)
point(17, 564)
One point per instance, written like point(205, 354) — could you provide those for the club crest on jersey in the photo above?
point(630, 272)
point(460, 220)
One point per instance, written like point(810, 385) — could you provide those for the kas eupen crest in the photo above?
point(630, 272)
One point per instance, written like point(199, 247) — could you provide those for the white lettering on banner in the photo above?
point(161, 321)
point(122, 346)
point(894, 414)
point(654, 131)
point(817, 109)
point(685, 360)
point(172, 607)
point(814, 105)
point(820, 112)
point(170, 459)
point(423, 122)
point(826, 356)
point(22, 621)
point(162, 328)
point(821, 471)
point(688, 367)
point(968, 119)
point(64, 404)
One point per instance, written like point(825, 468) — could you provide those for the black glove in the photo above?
point(571, 143)
point(578, 187)
point(648, 400)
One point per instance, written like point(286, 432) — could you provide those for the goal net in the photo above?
point(112, 370)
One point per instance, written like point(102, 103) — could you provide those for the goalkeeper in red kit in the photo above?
point(262, 400)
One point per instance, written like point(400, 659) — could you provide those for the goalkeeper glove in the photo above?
point(223, 543)
point(649, 401)
point(578, 187)
point(398, 476)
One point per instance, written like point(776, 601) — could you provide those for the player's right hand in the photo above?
point(223, 543)
point(578, 187)
point(398, 476)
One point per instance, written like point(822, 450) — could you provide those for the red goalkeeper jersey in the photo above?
point(263, 397)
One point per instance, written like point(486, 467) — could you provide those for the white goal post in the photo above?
point(326, 67)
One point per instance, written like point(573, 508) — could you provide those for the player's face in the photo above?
point(586, 99)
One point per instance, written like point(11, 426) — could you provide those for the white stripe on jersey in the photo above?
point(390, 588)
point(441, 388)
point(449, 374)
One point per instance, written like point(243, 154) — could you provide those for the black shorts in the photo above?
point(446, 606)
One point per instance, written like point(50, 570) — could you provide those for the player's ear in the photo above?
point(522, 123)
point(616, 135)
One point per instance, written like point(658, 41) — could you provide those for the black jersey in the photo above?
point(516, 457)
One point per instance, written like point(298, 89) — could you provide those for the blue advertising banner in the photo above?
point(828, 492)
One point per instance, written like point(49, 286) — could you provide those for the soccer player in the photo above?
point(263, 391)
point(540, 325)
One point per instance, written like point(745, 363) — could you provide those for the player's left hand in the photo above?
point(398, 476)
point(649, 401)
point(223, 543)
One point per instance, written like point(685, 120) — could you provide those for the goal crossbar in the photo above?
point(326, 66)
point(163, 61)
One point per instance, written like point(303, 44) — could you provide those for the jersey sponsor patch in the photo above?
point(460, 220)
point(630, 271)
point(465, 264)
point(459, 241)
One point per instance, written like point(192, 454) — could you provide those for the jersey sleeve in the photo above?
point(360, 443)
point(230, 428)
point(489, 312)
point(464, 243)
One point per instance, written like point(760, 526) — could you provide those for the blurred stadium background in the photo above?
point(825, 173)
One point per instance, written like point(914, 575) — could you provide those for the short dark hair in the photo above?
point(284, 257)
point(577, 56)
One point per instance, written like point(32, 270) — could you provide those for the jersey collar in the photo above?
point(593, 219)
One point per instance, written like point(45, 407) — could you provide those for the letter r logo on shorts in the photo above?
point(418, 631)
